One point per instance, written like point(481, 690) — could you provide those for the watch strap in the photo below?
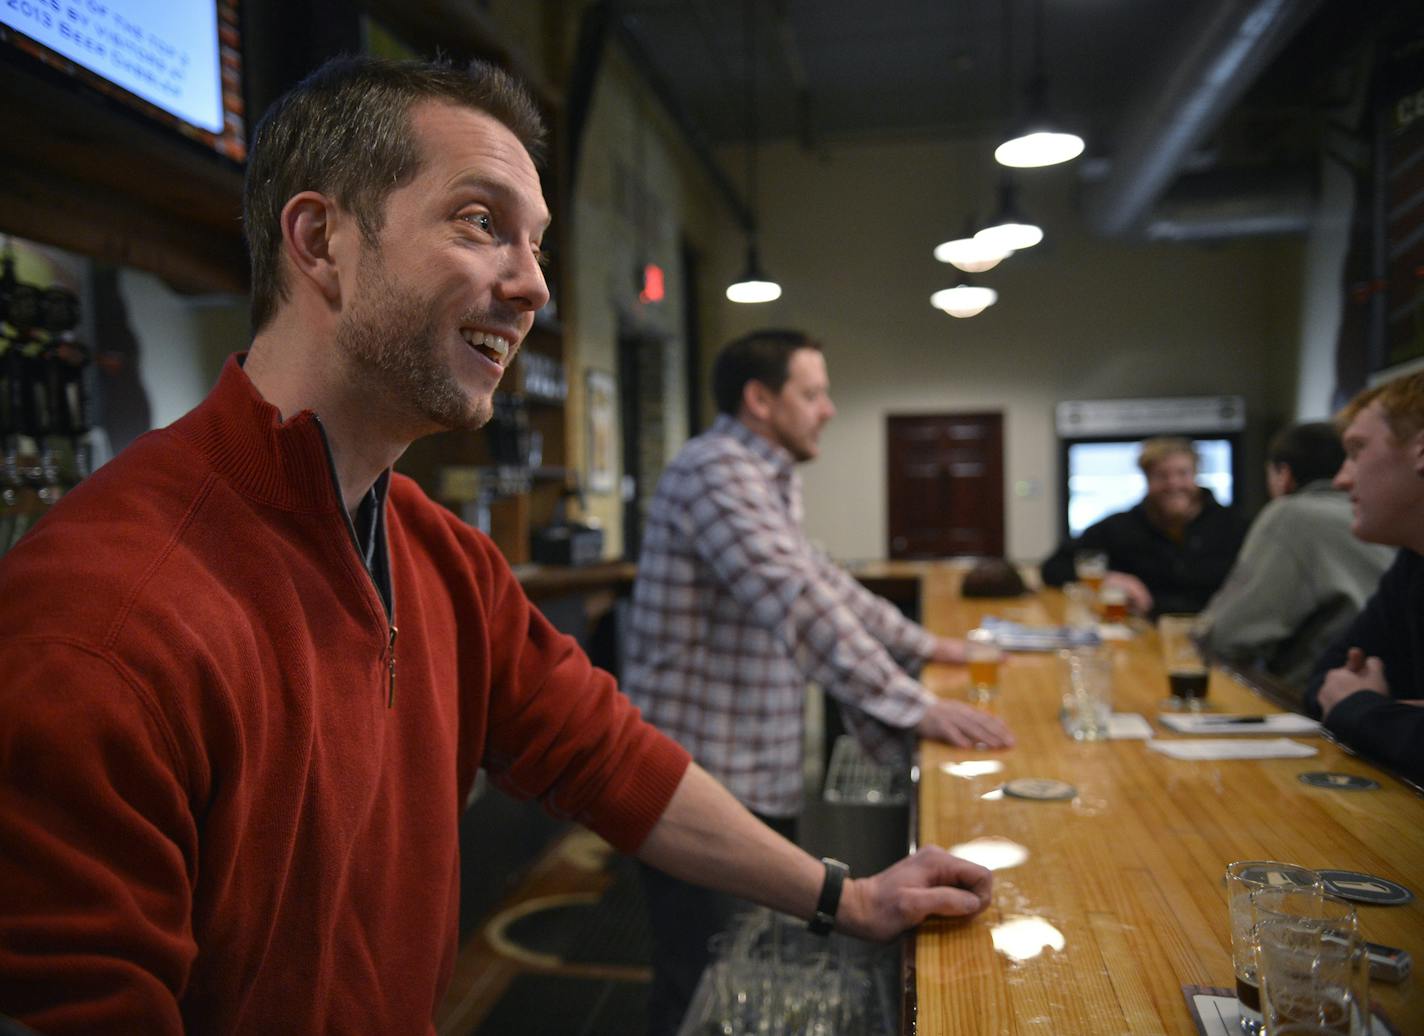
point(830, 901)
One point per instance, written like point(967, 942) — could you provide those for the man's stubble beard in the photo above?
point(393, 339)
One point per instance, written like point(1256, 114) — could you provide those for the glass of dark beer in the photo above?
point(1186, 669)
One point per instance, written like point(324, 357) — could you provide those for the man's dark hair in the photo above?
point(345, 131)
point(763, 356)
point(1312, 451)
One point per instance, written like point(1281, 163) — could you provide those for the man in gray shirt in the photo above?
point(1301, 576)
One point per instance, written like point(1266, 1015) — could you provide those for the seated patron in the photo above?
point(1369, 685)
point(1302, 575)
point(1171, 551)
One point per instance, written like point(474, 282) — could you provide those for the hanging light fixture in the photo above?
point(965, 299)
point(754, 285)
point(969, 254)
point(1037, 140)
point(1010, 228)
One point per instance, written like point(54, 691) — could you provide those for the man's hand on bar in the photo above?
point(959, 723)
point(931, 883)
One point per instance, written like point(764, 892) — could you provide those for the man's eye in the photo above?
point(480, 219)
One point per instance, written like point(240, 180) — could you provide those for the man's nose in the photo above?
point(522, 281)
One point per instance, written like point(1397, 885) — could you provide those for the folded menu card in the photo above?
point(1228, 723)
point(1232, 748)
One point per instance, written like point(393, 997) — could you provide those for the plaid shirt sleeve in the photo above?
point(909, 643)
point(747, 536)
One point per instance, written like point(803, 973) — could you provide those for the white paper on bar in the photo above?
point(1219, 723)
point(1128, 726)
point(1114, 631)
point(1233, 748)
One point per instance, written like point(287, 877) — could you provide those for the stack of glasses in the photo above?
point(1301, 961)
point(771, 977)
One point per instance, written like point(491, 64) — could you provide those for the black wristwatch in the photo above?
point(830, 901)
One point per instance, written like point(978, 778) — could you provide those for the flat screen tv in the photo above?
point(1103, 477)
point(178, 62)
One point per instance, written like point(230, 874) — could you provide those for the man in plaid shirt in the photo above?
point(734, 612)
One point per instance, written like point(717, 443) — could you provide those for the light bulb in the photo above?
point(964, 300)
point(970, 255)
point(1038, 148)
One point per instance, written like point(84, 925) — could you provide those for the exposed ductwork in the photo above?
point(1234, 203)
point(1216, 62)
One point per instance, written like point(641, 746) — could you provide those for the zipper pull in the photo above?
point(391, 693)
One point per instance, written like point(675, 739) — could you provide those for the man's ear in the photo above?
point(756, 399)
point(310, 223)
point(1416, 452)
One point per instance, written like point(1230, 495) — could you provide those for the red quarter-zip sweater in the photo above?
point(212, 817)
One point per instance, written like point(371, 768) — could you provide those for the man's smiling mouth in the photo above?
point(493, 346)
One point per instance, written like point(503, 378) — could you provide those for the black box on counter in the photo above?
point(566, 545)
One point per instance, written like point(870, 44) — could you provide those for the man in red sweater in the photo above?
point(250, 674)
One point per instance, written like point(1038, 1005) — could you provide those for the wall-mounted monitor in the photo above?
point(177, 62)
point(1103, 477)
point(1100, 439)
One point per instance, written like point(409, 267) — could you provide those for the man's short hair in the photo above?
point(1312, 451)
point(1154, 451)
point(763, 356)
point(345, 131)
point(1402, 401)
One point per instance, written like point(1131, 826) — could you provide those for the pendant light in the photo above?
point(754, 285)
point(965, 299)
point(969, 254)
point(1037, 141)
point(1010, 228)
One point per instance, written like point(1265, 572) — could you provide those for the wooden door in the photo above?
point(945, 485)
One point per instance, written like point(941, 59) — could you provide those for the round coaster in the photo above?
point(1337, 781)
point(1365, 888)
point(1042, 788)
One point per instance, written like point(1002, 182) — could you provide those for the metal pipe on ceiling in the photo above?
point(1217, 60)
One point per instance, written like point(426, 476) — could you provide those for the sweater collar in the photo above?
point(280, 463)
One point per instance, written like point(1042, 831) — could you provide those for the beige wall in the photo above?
point(849, 235)
point(629, 147)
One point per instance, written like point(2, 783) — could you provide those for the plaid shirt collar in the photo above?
point(778, 459)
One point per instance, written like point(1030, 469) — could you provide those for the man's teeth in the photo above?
point(494, 343)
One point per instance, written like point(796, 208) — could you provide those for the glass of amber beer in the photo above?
point(1186, 669)
point(1091, 567)
point(983, 654)
point(1113, 601)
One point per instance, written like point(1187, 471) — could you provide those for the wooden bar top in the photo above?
point(540, 581)
point(1107, 905)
